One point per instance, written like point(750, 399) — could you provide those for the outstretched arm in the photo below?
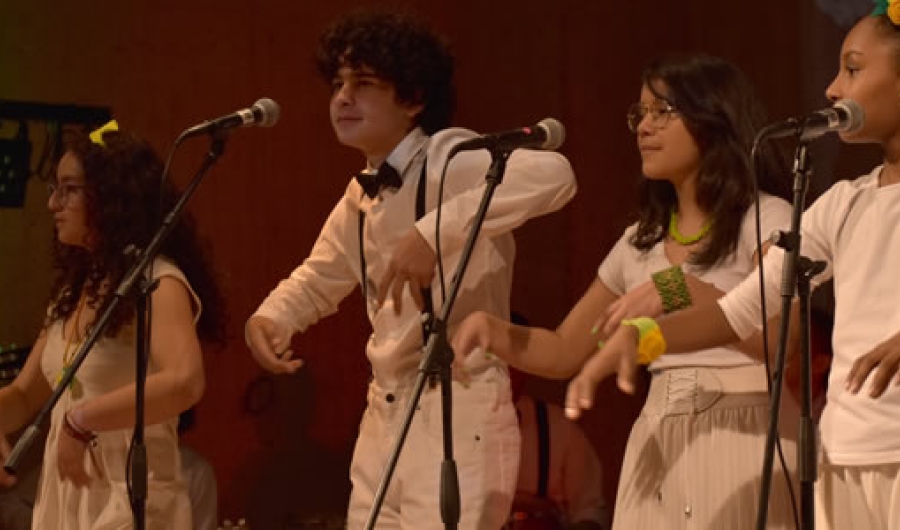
point(556, 354)
point(646, 301)
point(316, 287)
point(693, 329)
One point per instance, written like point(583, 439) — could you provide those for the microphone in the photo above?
point(264, 113)
point(845, 116)
point(549, 134)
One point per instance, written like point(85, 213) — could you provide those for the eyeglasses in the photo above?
point(63, 191)
point(660, 113)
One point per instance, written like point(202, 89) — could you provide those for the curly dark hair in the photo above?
point(400, 50)
point(722, 114)
point(123, 203)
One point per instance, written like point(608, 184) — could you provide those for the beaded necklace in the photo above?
point(686, 240)
point(69, 352)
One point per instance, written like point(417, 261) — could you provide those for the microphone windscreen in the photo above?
point(855, 114)
point(556, 133)
point(269, 112)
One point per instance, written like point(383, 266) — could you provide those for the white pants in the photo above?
point(486, 450)
point(858, 497)
point(694, 456)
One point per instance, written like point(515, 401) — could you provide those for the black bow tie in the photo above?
point(387, 177)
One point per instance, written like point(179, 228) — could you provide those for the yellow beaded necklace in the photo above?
point(69, 352)
point(683, 239)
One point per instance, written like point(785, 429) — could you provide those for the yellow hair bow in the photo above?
point(97, 135)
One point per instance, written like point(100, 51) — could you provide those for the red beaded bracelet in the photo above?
point(70, 428)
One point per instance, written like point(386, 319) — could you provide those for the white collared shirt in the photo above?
point(535, 183)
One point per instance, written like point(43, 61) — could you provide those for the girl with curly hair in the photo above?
point(106, 198)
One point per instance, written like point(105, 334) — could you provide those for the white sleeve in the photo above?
point(774, 214)
point(821, 224)
point(315, 288)
point(535, 183)
point(162, 267)
point(742, 306)
point(612, 270)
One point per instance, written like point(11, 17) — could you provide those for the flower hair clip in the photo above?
point(96, 135)
point(891, 8)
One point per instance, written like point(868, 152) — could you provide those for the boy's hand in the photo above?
point(413, 262)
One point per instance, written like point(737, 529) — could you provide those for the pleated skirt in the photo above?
point(694, 458)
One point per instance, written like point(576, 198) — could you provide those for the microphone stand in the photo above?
point(796, 276)
point(133, 279)
point(437, 361)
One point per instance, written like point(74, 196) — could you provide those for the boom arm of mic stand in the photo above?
point(438, 359)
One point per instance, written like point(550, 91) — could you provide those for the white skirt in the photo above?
point(695, 455)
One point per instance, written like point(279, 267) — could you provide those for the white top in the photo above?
point(535, 183)
point(853, 228)
point(626, 267)
point(110, 365)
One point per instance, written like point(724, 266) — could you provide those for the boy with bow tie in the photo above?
point(392, 100)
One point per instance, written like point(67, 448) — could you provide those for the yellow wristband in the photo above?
point(651, 343)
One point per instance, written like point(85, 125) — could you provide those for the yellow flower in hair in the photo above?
point(97, 135)
point(893, 11)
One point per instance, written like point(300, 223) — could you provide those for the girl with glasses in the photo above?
point(106, 197)
point(852, 228)
point(693, 456)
